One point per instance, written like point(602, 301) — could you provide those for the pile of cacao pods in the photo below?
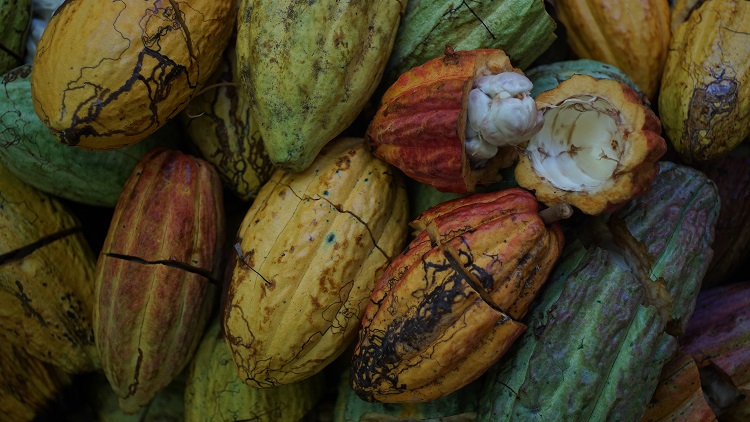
point(283, 210)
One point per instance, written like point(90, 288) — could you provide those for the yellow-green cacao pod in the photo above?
point(311, 247)
point(310, 67)
point(108, 74)
point(26, 383)
point(15, 17)
point(632, 35)
point(704, 103)
point(156, 273)
point(46, 278)
point(216, 393)
point(220, 124)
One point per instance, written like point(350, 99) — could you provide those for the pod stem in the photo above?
point(556, 213)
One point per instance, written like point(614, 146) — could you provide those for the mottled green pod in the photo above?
point(15, 17)
point(31, 152)
point(459, 406)
point(600, 334)
point(167, 406)
point(548, 76)
point(521, 28)
point(220, 124)
point(216, 393)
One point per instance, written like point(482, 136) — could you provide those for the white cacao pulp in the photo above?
point(500, 112)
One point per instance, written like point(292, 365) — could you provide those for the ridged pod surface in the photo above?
point(27, 384)
point(216, 393)
point(429, 329)
point(705, 91)
point(108, 74)
point(521, 28)
point(31, 152)
point(632, 35)
point(220, 123)
point(46, 278)
point(155, 272)
point(598, 148)
point(420, 126)
point(609, 317)
point(312, 246)
point(15, 17)
point(309, 68)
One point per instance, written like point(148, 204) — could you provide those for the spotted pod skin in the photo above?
point(108, 74)
point(427, 331)
point(154, 275)
point(420, 126)
point(311, 247)
point(46, 278)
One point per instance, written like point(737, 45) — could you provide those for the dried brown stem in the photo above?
point(556, 213)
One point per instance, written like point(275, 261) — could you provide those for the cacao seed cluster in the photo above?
point(285, 210)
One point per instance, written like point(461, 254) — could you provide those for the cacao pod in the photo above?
point(30, 151)
point(607, 321)
point(310, 67)
point(15, 17)
point(215, 391)
point(449, 306)
point(167, 406)
point(521, 28)
point(679, 396)
point(107, 75)
point(705, 91)
point(220, 124)
point(46, 278)
point(310, 249)
point(632, 35)
point(155, 272)
point(598, 147)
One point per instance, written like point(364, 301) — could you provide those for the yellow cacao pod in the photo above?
point(310, 249)
point(310, 67)
point(704, 103)
point(632, 35)
point(108, 74)
point(46, 278)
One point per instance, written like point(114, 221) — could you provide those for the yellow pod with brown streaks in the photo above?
point(108, 74)
point(632, 35)
point(310, 249)
point(704, 103)
point(46, 278)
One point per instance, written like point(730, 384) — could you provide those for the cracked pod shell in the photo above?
point(420, 126)
point(428, 330)
point(46, 278)
point(313, 244)
point(155, 272)
point(705, 91)
point(108, 74)
point(635, 140)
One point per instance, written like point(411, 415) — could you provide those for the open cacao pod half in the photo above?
point(310, 249)
point(449, 306)
point(156, 273)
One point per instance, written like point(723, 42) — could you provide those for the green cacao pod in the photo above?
point(31, 152)
point(155, 273)
point(548, 76)
point(704, 103)
point(310, 67)
point(108, 74)
point(449, 306)
point(216, 393)
point(310, 249)
point(521, 28)
point(26, 383)
point(15, 18)
point(167, 406)
point(220, 124)
point(46, 278)
point(631, 281)
point(459, 406)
